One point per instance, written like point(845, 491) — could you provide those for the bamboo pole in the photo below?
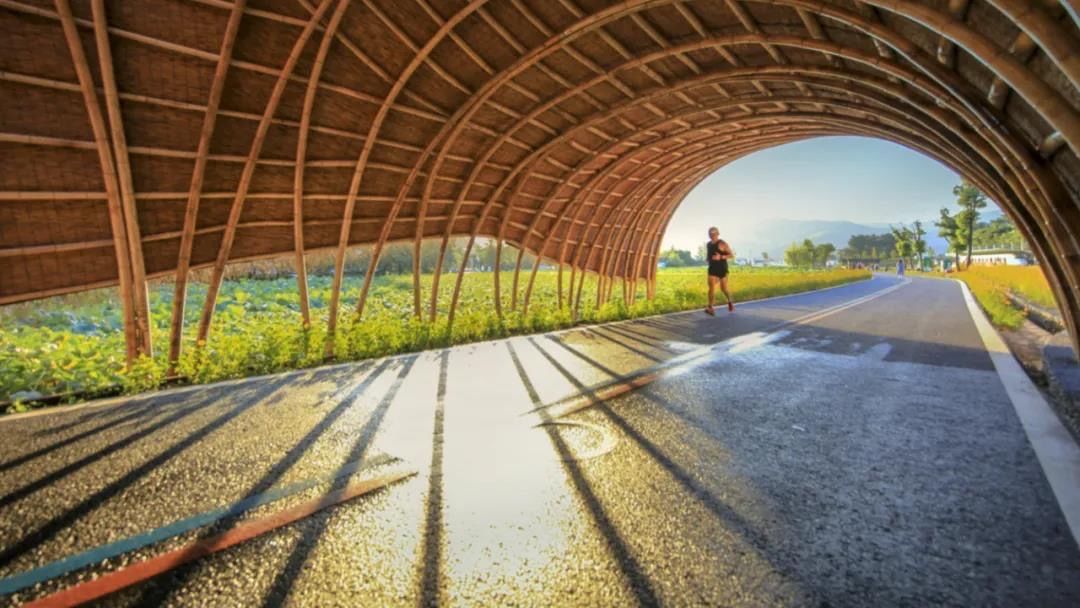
point(249, 170)
point(301, 158)
point(419, 58)
point(140, 296)
point(108, 170)
point(191, 209)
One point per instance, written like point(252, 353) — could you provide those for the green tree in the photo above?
point(949, 229)
point(822, 253)
point(905, 242)
point(970, 200)
point(676, 258)
point(870, 246)
point(800, 255)
point(998, 233)
point(919, 244)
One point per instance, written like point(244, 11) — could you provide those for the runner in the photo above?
point(718, 253)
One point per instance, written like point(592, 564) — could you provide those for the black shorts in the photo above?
point(718, 269)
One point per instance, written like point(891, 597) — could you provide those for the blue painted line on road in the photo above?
point(96, 555)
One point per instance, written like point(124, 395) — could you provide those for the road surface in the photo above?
point(848, 447)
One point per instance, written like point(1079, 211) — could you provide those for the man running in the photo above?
point(718, 253)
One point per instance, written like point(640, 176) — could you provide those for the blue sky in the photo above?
point(829, 178)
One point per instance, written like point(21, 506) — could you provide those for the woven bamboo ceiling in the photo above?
point(142, 138)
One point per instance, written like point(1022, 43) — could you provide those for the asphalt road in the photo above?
point(816, 455)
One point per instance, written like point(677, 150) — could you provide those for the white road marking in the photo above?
point(608, 438)
point(689, 360)
point(1057, 452)
point(878, 352)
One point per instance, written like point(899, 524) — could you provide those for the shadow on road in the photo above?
point(283, 583)
point(246, 399)
point(631, 569)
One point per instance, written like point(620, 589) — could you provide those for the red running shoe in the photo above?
point(731, 306)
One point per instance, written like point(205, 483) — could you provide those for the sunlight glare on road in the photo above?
point(509, 506)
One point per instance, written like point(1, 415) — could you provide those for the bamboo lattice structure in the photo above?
point(148, 138)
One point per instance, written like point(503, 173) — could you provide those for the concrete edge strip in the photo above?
point(621, 385)
point(123, 399)
point(63, 566)
point(1055, 449)
point(147, 569)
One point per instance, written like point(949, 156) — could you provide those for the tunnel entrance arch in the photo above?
point(135, 149)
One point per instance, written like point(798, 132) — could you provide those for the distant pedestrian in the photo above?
point(900, 268)
point(718, 253)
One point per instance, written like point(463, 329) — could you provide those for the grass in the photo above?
point(991, 284)
point(74, 344)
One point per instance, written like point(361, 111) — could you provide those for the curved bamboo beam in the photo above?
point(358, 173)
point(905, 47)
point(535, 157)
point(628, 207)
point(301, 157)
point(108, 173)
point(1010, 147)
point(1046, 101)
point(940, 155)
point(140, 297)
point(532, 278)
point(657, 228)
point(375, 67)
point(673, 202)
point(1025, 14)
point(658, 187)
point(433, 114)
point(191, 209)
point(903, 44)
point(606, 250)
point(735, 40)
point(456, 131)
point(738, 148)
point(689, 180)
point(725, 102)
point(249, 170)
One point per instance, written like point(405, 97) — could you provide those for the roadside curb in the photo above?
point(1056, 450)
point(1039, 315)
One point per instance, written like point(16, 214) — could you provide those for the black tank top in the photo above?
point(715, 266)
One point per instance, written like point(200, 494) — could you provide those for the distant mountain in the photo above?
point(774, 236)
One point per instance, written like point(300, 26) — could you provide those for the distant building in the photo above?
point(1002, 257)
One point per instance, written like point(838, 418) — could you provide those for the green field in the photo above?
point(74, 344)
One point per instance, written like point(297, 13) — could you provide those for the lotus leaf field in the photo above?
point(74, 345)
